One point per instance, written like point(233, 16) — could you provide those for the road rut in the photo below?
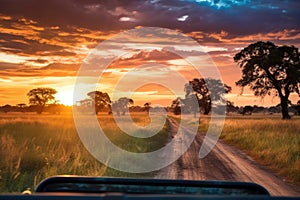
point(224, 162)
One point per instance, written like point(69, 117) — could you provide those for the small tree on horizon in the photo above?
point(40, 97)
point(147, 106)
point(121, 105)
point(176, 106)
point(206, 91)
point(101, 100)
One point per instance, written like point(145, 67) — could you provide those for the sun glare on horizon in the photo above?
point(65, 97)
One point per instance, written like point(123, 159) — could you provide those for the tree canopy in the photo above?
point(206, 91)
point(201, 93)
point(270, 70)
point(100, 100)
point(121, 105)
point(41, 97)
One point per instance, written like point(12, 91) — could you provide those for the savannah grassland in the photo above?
point(271, 141)
point(33, 147)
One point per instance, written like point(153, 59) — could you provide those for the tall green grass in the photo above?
point(33, 147)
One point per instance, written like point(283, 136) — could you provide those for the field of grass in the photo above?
point(33, 147)
point(269, 140)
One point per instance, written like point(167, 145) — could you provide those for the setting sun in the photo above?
point(65, 97)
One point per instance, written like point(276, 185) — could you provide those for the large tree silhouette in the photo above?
point(269, 69)
point(205, 91)
point(100, 100)
point(40, 97)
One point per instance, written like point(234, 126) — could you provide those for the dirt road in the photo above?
point(223, 163)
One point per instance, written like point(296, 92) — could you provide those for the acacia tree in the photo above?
point(176, 106)
point(40, 97)
point(121, 105)
point(147, 106)
point(206, 91)
point(269, 69)
point(100, 100)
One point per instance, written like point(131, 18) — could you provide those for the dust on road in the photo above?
point(222, 163)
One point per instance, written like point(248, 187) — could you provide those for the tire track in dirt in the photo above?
point(222, 163)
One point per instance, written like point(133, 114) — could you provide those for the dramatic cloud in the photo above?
point(52, 38)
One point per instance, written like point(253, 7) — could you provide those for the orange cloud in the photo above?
point(228, 38)
point(35, 48)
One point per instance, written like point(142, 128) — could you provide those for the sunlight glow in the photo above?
point(65, 97)
point(10, 58)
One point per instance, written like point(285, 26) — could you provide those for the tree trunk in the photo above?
point(206, 111)
point(207, 108)
point(284, 108)
point(40, 109)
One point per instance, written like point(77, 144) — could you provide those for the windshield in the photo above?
point(188, 90)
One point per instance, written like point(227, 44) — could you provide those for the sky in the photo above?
point(47, 43)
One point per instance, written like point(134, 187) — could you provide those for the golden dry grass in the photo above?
point(33, 147)
point(271, 141)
